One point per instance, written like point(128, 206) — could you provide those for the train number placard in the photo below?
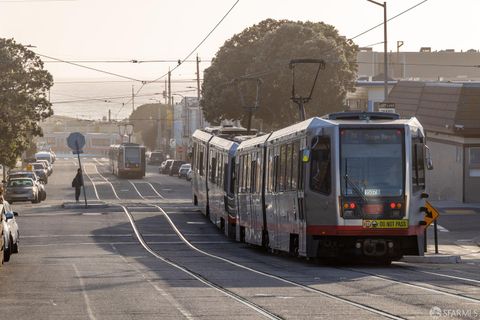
point(385, 224)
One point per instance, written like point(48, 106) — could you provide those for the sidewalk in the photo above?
point(455, 206)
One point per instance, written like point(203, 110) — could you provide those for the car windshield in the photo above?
point(132, 155)
point(372, 162)
point(37, 166)
point(20, 183)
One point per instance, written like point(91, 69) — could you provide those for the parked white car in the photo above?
point(11, 234)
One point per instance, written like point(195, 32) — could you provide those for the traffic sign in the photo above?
point(76, 141)
point(431, 213)
point(386, 107)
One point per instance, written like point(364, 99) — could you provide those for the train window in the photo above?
point(194, 153)
point(320, 173)
point(418, 167)
point(200, 163)
point(213, 169)
point(295, 150)
point(269, 177)
point(247, 172)
point(288, 169)
point(259, 175)
point(240, 173)
point(282, 168)
point(275, 173)
point(253, 166)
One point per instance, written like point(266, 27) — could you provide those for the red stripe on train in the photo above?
point(359, 230)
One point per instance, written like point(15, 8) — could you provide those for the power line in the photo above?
point(90, 68)
point(121, 61)
point(201, 42)
point(121, 81)
point(395, 16)
point(267, 72)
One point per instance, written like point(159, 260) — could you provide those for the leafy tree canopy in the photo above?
point(265, 50)
point(145, 120)
point(23, 99)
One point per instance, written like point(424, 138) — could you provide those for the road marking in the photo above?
point(111, 185)
point(66, 244)
point(85, 296)
point(134, 187)
point(442, 229)
point(459, 212)
point(449, 276)
point(195, 222)
point(94, 187)
point(154, 190)
point(163, 293)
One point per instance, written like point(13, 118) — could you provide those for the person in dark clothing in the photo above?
point(77, 183)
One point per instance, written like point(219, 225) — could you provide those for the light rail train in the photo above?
point(344, 185)
point(127, 160)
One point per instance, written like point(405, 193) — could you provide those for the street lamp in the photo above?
point(385, 62)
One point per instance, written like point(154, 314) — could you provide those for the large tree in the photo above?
point(265, 50)
point(24, 85)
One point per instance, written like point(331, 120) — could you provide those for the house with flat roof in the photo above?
point(450, 114)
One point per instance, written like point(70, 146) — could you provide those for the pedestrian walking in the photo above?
point(77, 183)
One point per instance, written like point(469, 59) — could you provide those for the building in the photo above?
point(187, 117)
point(99, 135)
point(425, 65)
point(450, 114)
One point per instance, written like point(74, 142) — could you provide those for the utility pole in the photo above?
point(169, 88)
point(133, 98)
point(385, 53)
point(165, 92)
point(198, 78)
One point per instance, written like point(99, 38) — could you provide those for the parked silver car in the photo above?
point(42, 193)
point(182, 172)
point(48, 166)
point(40, 171)
point(21, 189)
point(11, 234)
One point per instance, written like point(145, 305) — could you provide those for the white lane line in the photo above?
point(449, 276)
point(111, 185)
point(66, 244)
point(154, 190)
point(85, 296)
point(94, 187)
point(95, 159)
point(117, 235)
point(442, 229)
point(192, 274)
point(162, 292)
point(134, 187)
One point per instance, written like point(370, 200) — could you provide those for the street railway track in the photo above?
point(431, 288)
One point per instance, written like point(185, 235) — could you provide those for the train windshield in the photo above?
point(372, 162)
point(132, 155)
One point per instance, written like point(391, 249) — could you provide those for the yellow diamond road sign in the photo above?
point(431, 214)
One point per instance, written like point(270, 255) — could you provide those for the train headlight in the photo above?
point(348, 214)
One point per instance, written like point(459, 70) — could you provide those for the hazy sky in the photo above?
point(160, 29)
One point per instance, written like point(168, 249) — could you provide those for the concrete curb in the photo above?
point(74, 205)
point(440, 259)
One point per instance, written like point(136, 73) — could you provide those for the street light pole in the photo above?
point(385, 53)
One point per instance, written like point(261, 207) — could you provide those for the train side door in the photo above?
point(320, 209)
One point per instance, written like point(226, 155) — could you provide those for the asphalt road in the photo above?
point(93, 264)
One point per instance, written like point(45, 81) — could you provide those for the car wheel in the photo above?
point(15, 246)
point(7, 251)
point(2, 250)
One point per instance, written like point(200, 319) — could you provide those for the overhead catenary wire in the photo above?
point(90, 68)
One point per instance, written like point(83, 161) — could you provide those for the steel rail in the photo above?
point(195, 275)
